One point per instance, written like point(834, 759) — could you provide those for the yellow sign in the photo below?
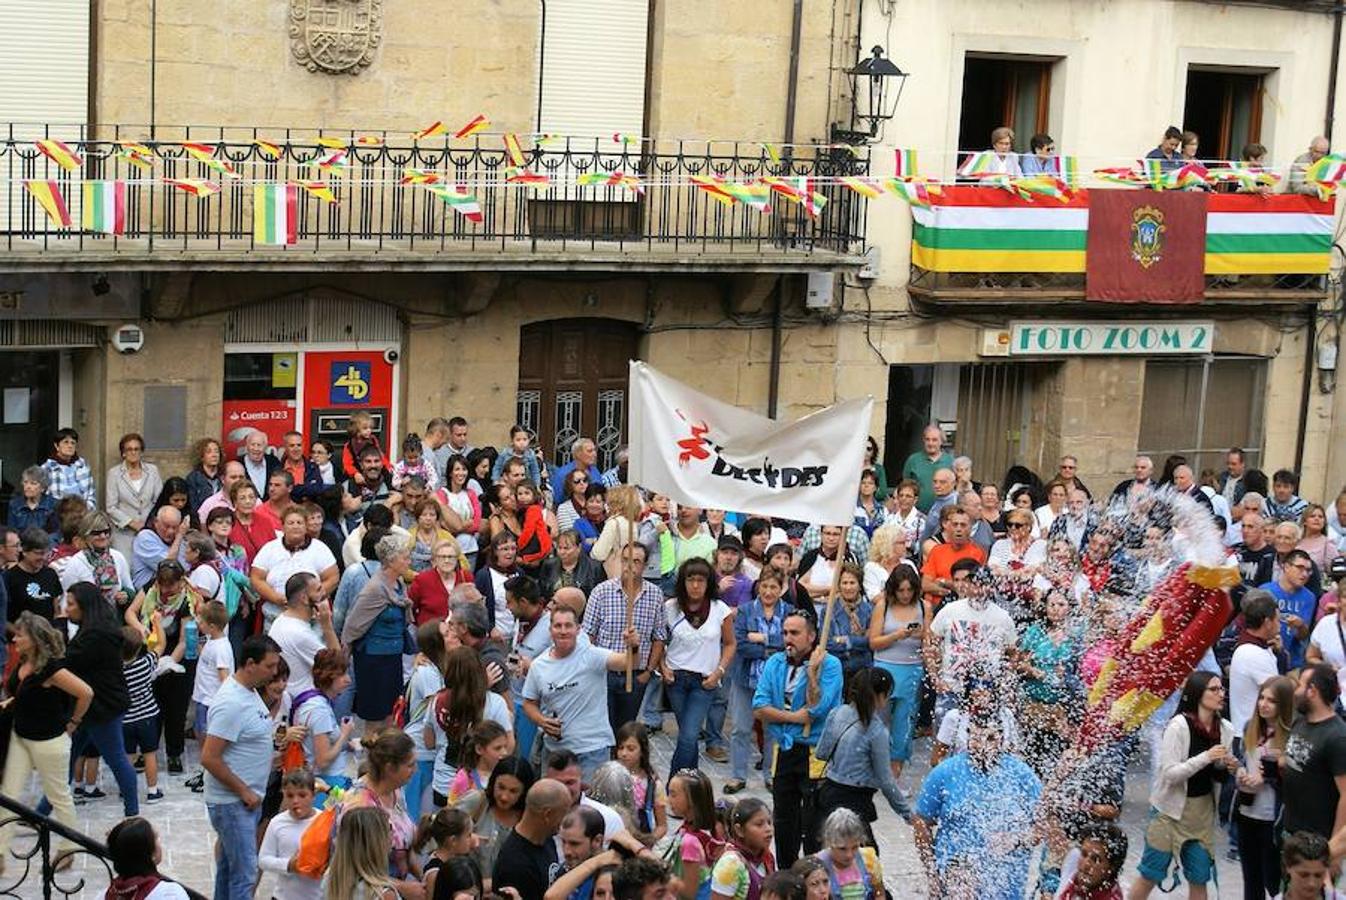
point(284, 369)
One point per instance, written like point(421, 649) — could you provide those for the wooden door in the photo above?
point(573, 383)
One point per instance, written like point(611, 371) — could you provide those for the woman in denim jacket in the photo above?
point(757, 631)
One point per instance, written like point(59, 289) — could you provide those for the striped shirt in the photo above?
point(605, 618)
point(139, 683)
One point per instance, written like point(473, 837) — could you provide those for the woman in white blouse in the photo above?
point(132, 487)
point(1055, 506)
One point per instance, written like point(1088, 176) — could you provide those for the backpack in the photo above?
point(294, 758)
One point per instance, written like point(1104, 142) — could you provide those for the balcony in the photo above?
point(981, 245)
point(368, 200)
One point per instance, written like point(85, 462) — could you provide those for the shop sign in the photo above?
point(271, 417)
point(1134, 338)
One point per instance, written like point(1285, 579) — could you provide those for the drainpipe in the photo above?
point(1305, 391)
point(792, 82)
point(541, 59)
point(154, 56)
point(773, 378)
point(1332, 69)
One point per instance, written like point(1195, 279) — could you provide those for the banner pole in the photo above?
point(825, 632)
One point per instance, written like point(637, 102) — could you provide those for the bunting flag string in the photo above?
point(610, 179)
point(417, 176)
point(772, 153)
point(59, 153)
point(275, 217)
point(48, 195)
point(905, 162)
point(513, 151)
point(429, 131)
point(104, 208)
point(267, 148)
point(714, 186)
point(205, 154)
point(530, 179)
point(331, 143)
point(319, 189)
point(197, 187)
point(334, 161)
point(865, 187)
point(135, 154)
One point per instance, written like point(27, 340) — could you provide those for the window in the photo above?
point(593, 68)
point(1224, 108)
point(1004, 90)
point(1200, 408)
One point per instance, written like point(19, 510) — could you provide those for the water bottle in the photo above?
point(189, 631)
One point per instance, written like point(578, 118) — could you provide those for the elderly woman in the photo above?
point(31, 506)
point(430, 590)
point(132, 487)
point(428, 534)
point(570, 566)
point(47, 702)
point(905, 512)
point(1004, 160)
point(99, 563)
point(204, 478)
point(1017, 555)
point(887, 551)
point(254, 525)
point(376, 631)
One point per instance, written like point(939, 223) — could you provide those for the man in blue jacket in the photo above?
point(781, 703)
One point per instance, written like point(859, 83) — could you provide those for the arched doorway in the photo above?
point(573, 383)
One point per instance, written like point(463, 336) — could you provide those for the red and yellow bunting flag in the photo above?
point(478, 123)
point(48, 195)
point(333, 161)
point(714, 186)
point(429, 131)
point(319, 189)
point(104, 207)
point(865, 187)
point(197, 187)
point(626, 140)
point(332, 143)
point(59, 153)
point(135, 154)
point(513, 151)
point(417, 176)
point(267, 148)
point(528, 179)
point(205, 154)
point(757, 196)
point(369, 140)
point(611, 179)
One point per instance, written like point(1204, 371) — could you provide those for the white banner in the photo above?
point(702, 452)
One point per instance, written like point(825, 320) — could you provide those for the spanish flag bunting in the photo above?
point(610, 179)
point(905, 163)
point(459, 199)
point(205, 154)
point(319, 189)
point(772, 153)
point(429, 131)
point(135, 154)
point(59, 153)
point(714, 186)
point(104, 207)
point(757, 196)
point(48, 195)
point(197, 187)
point(513, 151)
point(417, 176)
point(865, 187)
point(333, 161)
point(800, 190)
point(528, 179)
point(369, 140)
point(267, 148)
point(275, 210)
point(478, 123)
point(786, 187)
point(332, 143)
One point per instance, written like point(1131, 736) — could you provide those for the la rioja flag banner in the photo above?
point(702, 452)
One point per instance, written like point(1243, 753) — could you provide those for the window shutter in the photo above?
point(593, 70)
point(44, 65)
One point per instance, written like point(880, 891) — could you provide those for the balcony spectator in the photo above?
point(1299, 183)
point(1041, 158)
point(921, 466)
point(1169, 150)
point(1190, 143)
point(68, 475)
point(132, 486)
point(33, 507)
point(204, 478)
point(1005, 161)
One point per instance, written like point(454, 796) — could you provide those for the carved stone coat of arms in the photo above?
point(338, 36)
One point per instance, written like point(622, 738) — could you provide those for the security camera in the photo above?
point(128, 339)
point(391, 356)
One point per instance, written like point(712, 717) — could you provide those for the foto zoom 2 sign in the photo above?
point(1114, 338)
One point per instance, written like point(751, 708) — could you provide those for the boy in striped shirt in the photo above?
point(140, 725)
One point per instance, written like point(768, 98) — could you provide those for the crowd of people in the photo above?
point(438, 675)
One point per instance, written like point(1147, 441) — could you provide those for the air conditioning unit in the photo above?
point(819, 293)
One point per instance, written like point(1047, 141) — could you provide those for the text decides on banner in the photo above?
point(703, 452)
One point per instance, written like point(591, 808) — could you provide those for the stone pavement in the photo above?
point(187, 839)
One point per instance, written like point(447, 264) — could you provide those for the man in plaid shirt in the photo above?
point(68, 475)
point(605, 620)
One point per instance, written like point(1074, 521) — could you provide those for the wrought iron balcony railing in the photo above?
point(646, 200)
point(30, 870)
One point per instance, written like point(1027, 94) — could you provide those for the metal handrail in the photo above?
point(44, 827)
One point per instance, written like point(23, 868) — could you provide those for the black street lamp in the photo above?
point(876, 87)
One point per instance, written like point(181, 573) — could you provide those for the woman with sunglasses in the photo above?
point(100, 564)
point(571, 508)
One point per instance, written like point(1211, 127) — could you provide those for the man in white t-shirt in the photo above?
point(293, 552)
point(294, 633)
point(1327, 643)
point(1254, 659)
point(968, 632)
point(565, 692)
point(564, 766)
